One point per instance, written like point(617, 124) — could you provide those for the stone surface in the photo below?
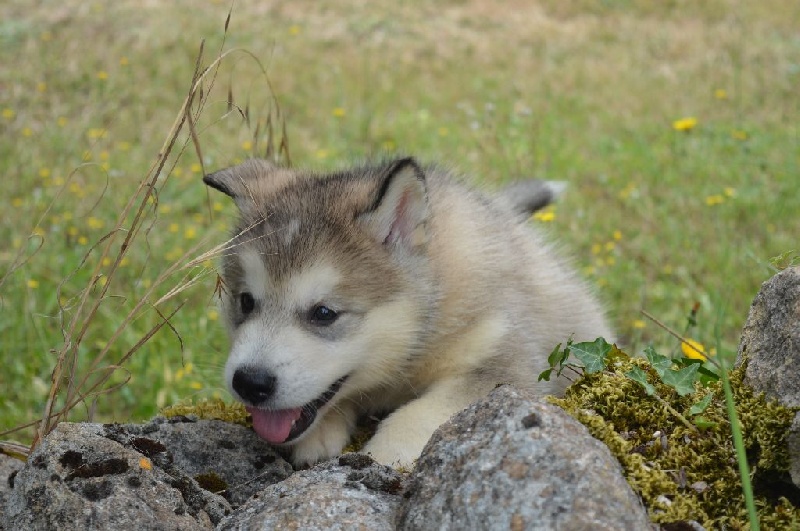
point(348, 492)
point(509, 461)
point(512, 461)
point(771, 343)
point(9, 467)
point(211, 451)
point(80, 478)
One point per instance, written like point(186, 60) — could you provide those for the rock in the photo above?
point(217, 454)
point(79, 477)
point(771, 343)
point(509, 461)
point(348, 492)
point(512, 461)
point(9, 467)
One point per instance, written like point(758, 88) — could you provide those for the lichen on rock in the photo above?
point(684, 474)
point(210, 409)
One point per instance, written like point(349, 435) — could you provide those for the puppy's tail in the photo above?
point(526, 197)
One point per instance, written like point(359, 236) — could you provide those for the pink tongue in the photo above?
point(274, 426)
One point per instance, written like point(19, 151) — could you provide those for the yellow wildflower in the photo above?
point(544, 215)
point(685, 124)
point(145, 463)
point(8, 113)
point(715, 199)
point(33, 284)
point(693, 349)
point(638, 324)
point(95, 223)
point(721, 94)
point(102, 75)
point(339, 112)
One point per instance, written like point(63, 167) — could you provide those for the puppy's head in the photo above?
point(326, 285)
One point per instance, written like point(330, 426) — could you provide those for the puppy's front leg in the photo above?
point(327, 439)
point(403, 434)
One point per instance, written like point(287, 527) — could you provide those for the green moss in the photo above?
point(683, 474)
point(210, 409)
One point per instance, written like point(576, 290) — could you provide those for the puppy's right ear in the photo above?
point(251, 182)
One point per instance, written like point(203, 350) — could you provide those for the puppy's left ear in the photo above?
point(399, 213)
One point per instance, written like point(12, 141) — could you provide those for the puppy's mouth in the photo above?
point(278, 426)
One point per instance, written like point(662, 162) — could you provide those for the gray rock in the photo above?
point(210, 451)
point(80, 478)
point(9, 467)
point(512, 461)
point(348, 492)
point(771, 342)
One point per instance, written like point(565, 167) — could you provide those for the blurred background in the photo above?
point(675, 124)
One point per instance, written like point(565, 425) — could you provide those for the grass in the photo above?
point(662, 212)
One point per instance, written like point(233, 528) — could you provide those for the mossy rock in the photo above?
point(685, 474)
point(211, 409)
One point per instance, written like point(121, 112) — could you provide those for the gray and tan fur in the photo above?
point(390, 287)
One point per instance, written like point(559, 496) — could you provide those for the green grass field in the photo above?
point(675, 123)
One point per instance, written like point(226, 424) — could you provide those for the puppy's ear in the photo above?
point(399, 212)
point(251, 182)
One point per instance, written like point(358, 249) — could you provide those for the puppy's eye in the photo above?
point(246, 302)
point(322, 315)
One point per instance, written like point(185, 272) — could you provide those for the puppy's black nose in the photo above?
point(254, 384)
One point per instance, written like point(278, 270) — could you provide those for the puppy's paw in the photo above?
point(325, 441)
point(395, 447)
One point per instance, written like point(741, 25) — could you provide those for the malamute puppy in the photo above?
point(390, 287)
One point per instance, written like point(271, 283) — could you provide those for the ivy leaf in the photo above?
point(706, 374)
point(545, 375)
point(638, 375)
point(660, 363)
point(592, 355)
point(683, 380)
point(557, 357)
point(701, 406)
